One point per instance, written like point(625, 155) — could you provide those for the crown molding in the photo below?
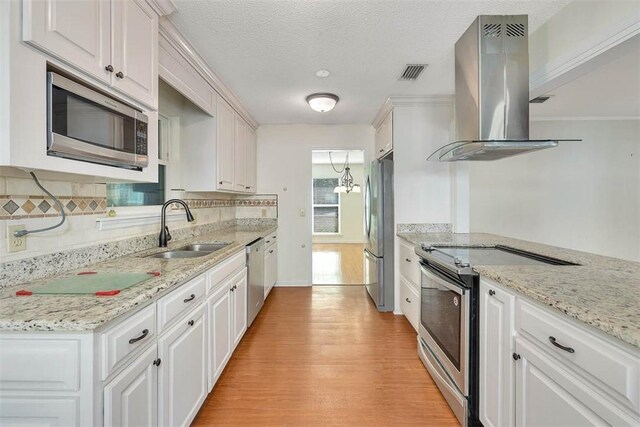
point(163, 7)
point(409, 101)
point(173, 36)
point(582, 118)
point(580, 61)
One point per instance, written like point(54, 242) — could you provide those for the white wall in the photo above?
point(284, 168)
point(351, 207)
point(580, 195)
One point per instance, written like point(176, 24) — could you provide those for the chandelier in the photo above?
point(346, 183)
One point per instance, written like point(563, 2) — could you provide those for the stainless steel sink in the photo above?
point(203, 247)
point(179, 254)
point(191, 251)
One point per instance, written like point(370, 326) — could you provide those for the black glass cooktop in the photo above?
point(497, 255)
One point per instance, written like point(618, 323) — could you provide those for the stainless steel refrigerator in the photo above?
point(379, 224)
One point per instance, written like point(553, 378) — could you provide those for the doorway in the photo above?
point(337, 213)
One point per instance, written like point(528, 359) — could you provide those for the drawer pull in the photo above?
point(109, 68)
point(191, 322)
point(271, 251)
point(141, 337)
point(157, 362)
point(492, 292)
point(515, 356)
point(268, 241)
point(407, 259)
point(408, 300)
point(553, 341)
point(191, 298)
point(120, 75)
point(235, 286)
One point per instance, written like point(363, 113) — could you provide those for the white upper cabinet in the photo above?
point(113, 41)
point(384, 136)
point(77, 32)
point(240, 154)
point(224, 152)
point(135, 50)
point(252, 164)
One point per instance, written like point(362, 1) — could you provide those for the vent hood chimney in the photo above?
point(492, 92)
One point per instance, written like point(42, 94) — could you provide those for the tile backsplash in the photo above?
point(22, 202)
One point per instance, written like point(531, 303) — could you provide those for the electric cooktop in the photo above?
point(465, 256)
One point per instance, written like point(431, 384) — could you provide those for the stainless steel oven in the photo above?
point(444, 324)
point(448, 332)
point(83, 124)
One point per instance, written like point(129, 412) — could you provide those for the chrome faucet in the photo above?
point(164, 230)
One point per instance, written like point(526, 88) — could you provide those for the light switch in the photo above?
point(302, 212)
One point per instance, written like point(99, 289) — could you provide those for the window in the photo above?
point(326, 206)
point(145, 194)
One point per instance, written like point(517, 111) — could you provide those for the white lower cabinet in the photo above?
point(270, 268)
point(549, 395)
point(410, 303)
point(150, 368)
point(239, 286)
point(182, 381)
point(220, 321)
point(539, 368)
point(496, 348)
point(227, 307)
point(130, 399)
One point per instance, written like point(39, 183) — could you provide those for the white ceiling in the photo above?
point(611, 90)
point(268, 51)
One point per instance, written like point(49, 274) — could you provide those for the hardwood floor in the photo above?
point(323, 356)
point(338, 264)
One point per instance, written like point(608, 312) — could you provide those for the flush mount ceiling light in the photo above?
point(322, 73)
point(322, 102)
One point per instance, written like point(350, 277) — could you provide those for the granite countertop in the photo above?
point(603, 292)
point(73, 313)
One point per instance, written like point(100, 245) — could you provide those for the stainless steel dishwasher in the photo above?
point(255, 266)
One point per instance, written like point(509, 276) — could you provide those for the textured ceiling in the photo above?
point(268, 51)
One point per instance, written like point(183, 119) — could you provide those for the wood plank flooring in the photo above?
point(323, 356)
point(338, 264)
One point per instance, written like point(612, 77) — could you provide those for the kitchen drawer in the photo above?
point(218, 273)
point(270, 240)
point(39, 364)
point(613, 369)
point(180, 301)
point(409, 264)
point(121, 340)
point(410, 303)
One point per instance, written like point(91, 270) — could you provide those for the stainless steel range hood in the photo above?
point(492, 92)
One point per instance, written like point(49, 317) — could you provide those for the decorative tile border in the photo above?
point(33, 206)
point(256, 201)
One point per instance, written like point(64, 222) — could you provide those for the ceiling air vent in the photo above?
point(412, 71)
point(492, 30)
point(515, 30)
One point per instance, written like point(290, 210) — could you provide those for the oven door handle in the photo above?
point(452, 287)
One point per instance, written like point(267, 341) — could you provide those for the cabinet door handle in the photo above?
point(247, 187)
point(191, 298)
point(191, 322)
point(231, 289)
point(109, 68)
point(492, 292)
point(381, 150)
point(141, 337)
point(220, 183)
point(235, 286)
point(553, 341)
point(271, 251)
point(408, 300)
point(157, 362)
point(120, 75)
point(515, 356)
point(268, 241)
point(407, 259)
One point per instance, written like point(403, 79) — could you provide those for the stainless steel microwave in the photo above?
point(83, 124)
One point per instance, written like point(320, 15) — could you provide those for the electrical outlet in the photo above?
point(302, 212)
point(16, 244)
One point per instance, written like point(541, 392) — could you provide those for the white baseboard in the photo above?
point(337, 241)
point(294, 283)
point(398, 313)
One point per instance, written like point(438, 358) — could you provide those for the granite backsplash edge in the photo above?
point(28, 269)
